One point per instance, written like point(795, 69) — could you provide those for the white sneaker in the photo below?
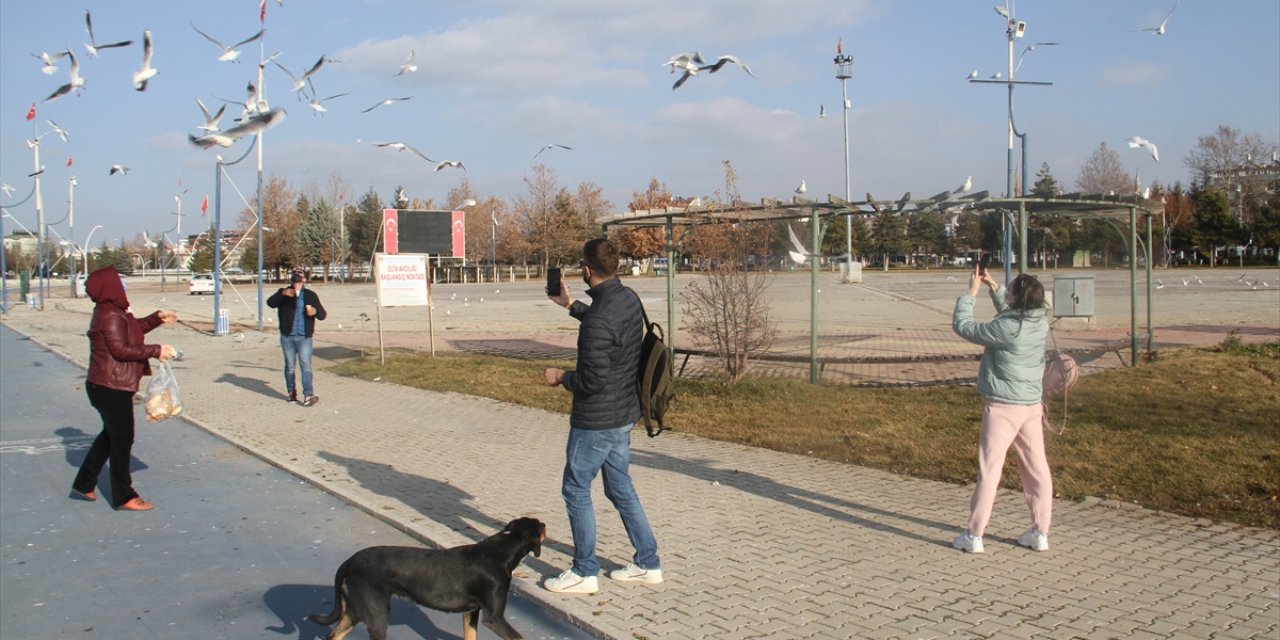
point(570, 582)
point(968, 543)
point(1035, 540)
point(633, 573)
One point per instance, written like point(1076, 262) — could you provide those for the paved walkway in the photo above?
point(755, 544)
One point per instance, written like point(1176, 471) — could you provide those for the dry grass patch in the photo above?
point(1194, 432)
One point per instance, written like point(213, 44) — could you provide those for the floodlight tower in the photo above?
point(844, 71)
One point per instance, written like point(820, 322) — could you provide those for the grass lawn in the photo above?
point(1195, 432)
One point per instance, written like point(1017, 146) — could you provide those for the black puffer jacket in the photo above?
point(605, 391)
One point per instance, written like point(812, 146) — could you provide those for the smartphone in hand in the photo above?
point(982, 263)
point(553, 282)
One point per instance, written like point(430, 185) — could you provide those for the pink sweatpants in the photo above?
point(1019, 425)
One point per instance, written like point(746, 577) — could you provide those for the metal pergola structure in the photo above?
point(770, 209)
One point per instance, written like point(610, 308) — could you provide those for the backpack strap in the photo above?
point(644, 381)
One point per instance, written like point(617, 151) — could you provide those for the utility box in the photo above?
point(1073, 295)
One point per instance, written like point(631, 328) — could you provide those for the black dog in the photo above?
point(467, 579)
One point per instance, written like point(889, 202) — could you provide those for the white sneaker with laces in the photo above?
point(1034, 540)
point(570, 582)
point(633, 573)
point(968, 543)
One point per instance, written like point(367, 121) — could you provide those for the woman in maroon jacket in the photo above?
point(118, 359)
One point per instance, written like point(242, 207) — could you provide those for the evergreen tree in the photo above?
point(1213, 226)
point(1046, 185)
point(890, 236)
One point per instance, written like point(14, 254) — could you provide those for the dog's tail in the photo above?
point(339, 599)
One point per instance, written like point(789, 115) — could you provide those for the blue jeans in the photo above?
point(607, 451)
point(297, 349)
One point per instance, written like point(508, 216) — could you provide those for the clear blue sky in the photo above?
point(499, 79)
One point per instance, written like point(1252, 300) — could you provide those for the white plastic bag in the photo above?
point(163, 400)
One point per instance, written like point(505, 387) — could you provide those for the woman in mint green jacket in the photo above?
point(1009, 378)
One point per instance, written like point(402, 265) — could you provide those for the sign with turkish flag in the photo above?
point(459, 234)
point(391, 231)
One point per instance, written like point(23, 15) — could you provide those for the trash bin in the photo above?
point(31, 300)
point(220, 325)
point(24, 283)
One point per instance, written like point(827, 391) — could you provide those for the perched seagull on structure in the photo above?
point(210, 121)
point(93, 47)
point(300, 84)
point(50, 61)
point(118, 168)
point(407, 66)
point(62, 133)
point(317, 104)
point(1136, 142)
point(451, 163)
point(229, 54)
point(400, 146)
point(972, 74)
point(1159, 31)
point(802, 188)
point(75, 84)
point(147, 72)
point(535, 156)
point(386, 101)
point(966, 187)
point(997, 75)
point(249, 127)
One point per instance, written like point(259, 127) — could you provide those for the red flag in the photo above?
point(262, 11)
point(840, 46)
point(204, 205)
point(31, 113)
point(68, 160)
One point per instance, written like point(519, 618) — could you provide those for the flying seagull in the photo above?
point(966, 187)
point(62, 133)
point(401, 146)
point(451, 163)
point(75, 84)
point(93, 47)
point(407, 66)
point(299, 84)
point(689, 62)
point(229, 54)
point(722, 60)
point(147, 72)
point(382, 102)
point(50, 61)
point(317, 104)
point(1159, 31)
point(1137, 141)
point(535, 156)
point(249, 127)
point(118, 168)
point(210, 121)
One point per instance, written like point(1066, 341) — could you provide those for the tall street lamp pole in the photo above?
point(844, 71)
point(1016, 29)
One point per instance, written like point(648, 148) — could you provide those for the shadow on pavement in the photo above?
point(292, 603)
point(250, 384)
point(834, 508)
point(439, 502)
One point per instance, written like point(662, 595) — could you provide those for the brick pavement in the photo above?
point(755, 544)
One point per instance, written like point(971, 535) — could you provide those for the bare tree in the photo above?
point(1104, 173)
point(727, 311)
point(1227, 151)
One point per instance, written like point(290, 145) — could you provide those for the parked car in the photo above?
point(200, 283)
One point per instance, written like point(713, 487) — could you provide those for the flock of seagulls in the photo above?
point(692, 62)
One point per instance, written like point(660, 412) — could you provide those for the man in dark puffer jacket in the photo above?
point(606, 405)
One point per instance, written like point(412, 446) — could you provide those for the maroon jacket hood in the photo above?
point(104, 285)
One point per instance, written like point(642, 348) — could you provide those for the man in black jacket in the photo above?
point(606, 405)
point(298, 309)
